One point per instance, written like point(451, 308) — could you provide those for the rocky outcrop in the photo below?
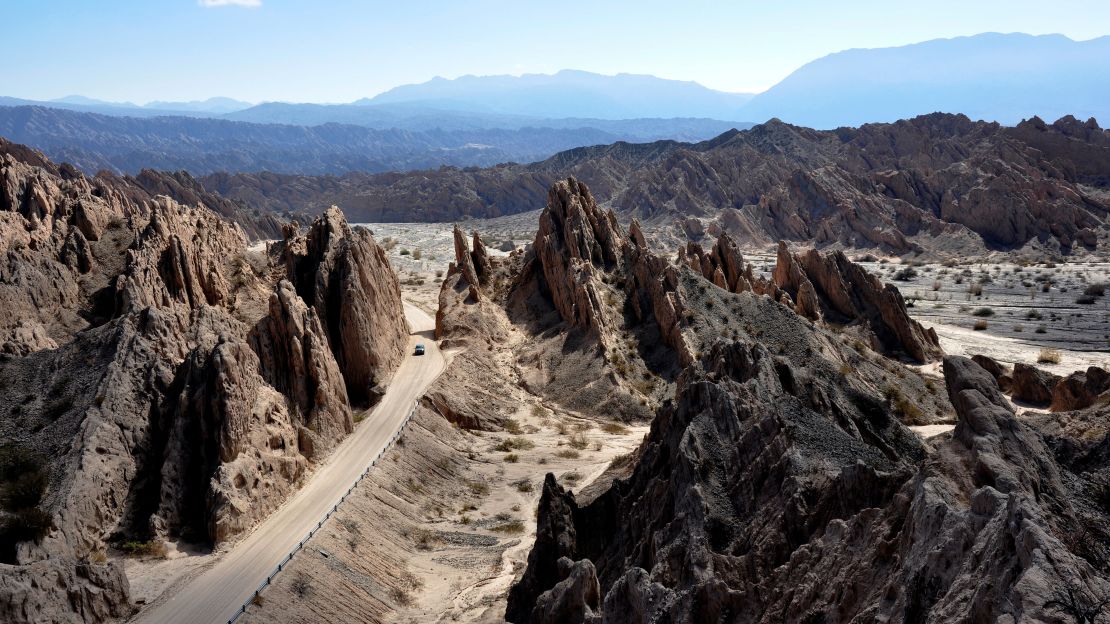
point(346, 277)
point(55, 591)
point(575, 243)
point(755, 498)
point(296, 360)
point(1032, 385)
point(1080, 390)
point(654, 295)
point(830, 285)
point(172, 398)
point(26, 337)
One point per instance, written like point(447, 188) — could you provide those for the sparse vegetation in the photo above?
point(613, 428)
point(523, 486)
point(509, 445)
point(567, 454)
point(980, 325)
point(509, 527)
point(154, 549)
point(578, 442)
point(906, 274)
point(984, 312)
point(1048, 356)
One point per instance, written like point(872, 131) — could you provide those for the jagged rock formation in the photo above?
point(144, 359)
point(767, 493)
point(346, 277)
point(832, 286)
point(575, 243)
point(474, 393)
point(940, 182)
point(821, 287)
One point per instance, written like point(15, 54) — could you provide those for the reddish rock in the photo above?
point(1080, 390)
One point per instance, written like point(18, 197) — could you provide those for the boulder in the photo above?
point(1080, 390)
point(1032, 385)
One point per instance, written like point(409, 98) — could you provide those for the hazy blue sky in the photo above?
point(339, 51)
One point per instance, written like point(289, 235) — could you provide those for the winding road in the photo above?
point(217, 593)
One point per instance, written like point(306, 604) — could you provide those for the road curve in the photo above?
point(217, 593)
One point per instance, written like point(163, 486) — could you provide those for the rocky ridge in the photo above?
point(738, 531)
point(181, 384)
point(939, 183)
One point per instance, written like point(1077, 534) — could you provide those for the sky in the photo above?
point(343, 50)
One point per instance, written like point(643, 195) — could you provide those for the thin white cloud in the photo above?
point(221, 3)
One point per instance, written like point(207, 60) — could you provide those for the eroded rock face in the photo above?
point(170, 398)
point(1032, 385)
point(346, 277)
point(296, 360)
point(576, 242)
point(53, 591)
point(1080, 390)
point(755, 498)
point(830, 285)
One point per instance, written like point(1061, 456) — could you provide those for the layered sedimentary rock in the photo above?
point(171, 399)
point(764, 494)
point(821, 287)
point(346, 277)
point(575, 243)
point(936, 181)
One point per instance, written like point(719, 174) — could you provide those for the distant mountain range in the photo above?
point(491, 119)
point(994, 77)
point(93, 142)
point(569, 93)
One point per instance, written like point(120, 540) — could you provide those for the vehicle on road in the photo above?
point(420, 348)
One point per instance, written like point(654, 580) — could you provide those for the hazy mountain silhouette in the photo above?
point(570, 93)
point(991, 76)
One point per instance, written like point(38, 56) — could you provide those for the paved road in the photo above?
point(218, 592)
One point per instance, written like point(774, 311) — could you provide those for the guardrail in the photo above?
point(319, 525)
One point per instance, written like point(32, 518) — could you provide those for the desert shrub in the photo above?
point(936, 284)
point(513, 427)
point(478, 488)
point(1041, 329)
point(979, 325)
point(514, 444)
point(1095, 290)
point(1019, 328)
point(300, 585)
point(906, 274)
point(975, 290)
point(512, 458)
point(1085, 299)
point(150, 548)
point(1034, 315)
point(523, 486)
point(509, 527)
point(1048, 356)
point(406, 252)
point(613, 428)
point(567, 454)
point(24, 491)
point(983, 312)
point(578, 441)
point(572, 477)
point(901, 405)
